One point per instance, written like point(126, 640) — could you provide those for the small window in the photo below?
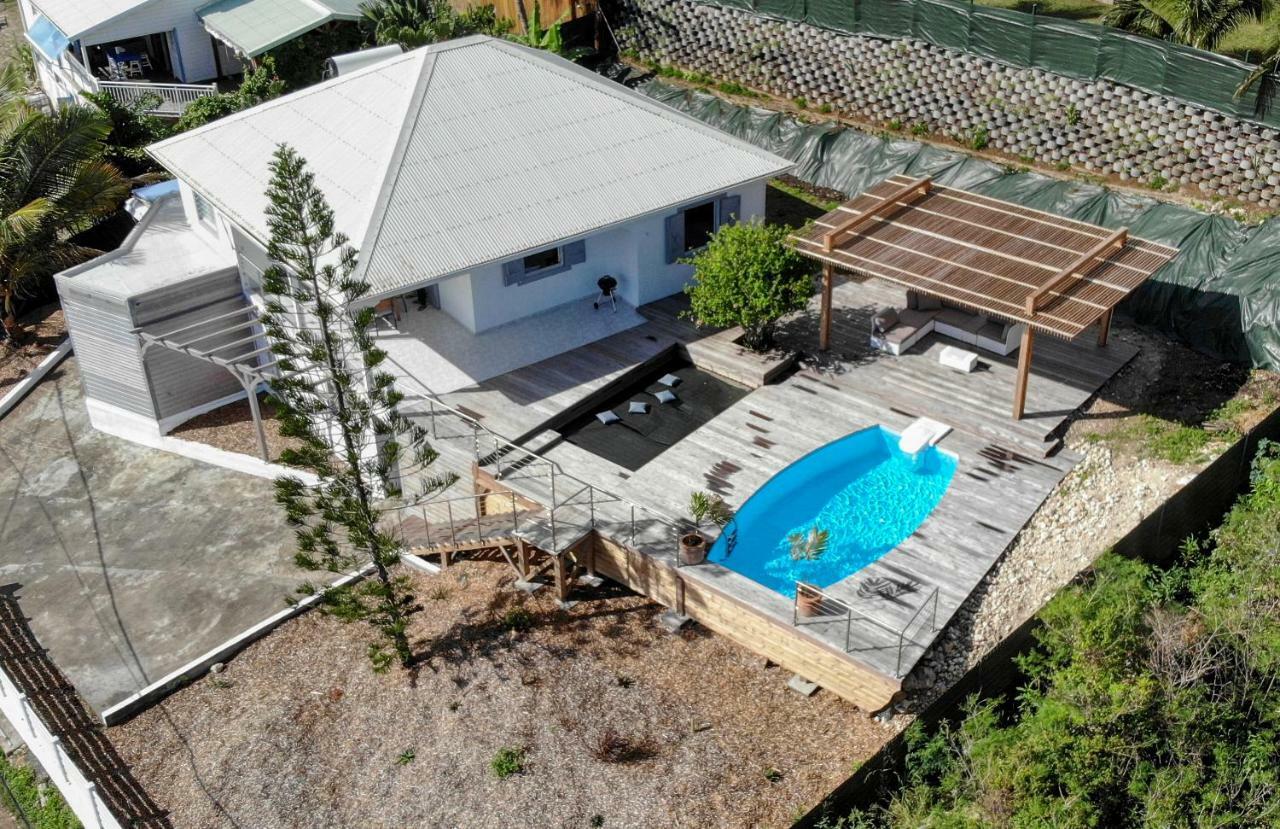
point(699, 224)
point(549, 258)
point(204, 211)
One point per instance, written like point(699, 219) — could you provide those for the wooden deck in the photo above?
point(1006, 468)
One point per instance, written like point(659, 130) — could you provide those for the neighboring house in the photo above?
point(176, 49)
point(81, 46)
point(488, 186)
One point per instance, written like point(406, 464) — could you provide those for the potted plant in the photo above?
point(703, 506)
point(808, 547)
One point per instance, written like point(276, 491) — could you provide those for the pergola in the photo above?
point(233, 340)
point(1054, 275)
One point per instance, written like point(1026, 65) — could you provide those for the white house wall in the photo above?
point(634, 254)
point(194, 59)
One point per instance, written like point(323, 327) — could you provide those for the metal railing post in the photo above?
point(633, 525)
point(591, 500)
point(515, 516)
point(453, 534)
point(431, 413)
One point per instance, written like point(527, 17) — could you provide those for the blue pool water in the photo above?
point(865, 492)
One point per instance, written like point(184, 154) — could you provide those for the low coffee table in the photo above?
point(958, 359)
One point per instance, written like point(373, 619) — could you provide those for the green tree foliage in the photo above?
point(54, 183)
point(549, 38)
point(260, 84)
point(339, 404)
point(1151, 700)
point(414, 23)
point(1198, 23)
point(300, 62)
point(132, 129)
point(747, 275)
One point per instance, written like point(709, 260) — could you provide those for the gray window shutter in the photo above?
point(730, 209)
point(512, 272)
point(574, 253)
point(675, 236)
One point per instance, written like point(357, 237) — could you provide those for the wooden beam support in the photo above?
point(562, 576)
point(1080, 266)
point(1024, 371)
point(824, 329)
point(1104, 328)
point(920, 186)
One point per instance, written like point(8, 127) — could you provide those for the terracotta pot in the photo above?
point(693, 548)
point(808, 604)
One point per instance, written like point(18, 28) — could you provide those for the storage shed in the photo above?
point(165, 277)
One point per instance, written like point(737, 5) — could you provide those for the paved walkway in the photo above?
point(129, 562)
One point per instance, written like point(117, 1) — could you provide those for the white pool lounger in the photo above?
point(921, 434)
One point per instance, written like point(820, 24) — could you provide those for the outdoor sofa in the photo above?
point(895, 330)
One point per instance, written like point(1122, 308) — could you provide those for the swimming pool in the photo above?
point(862, 490)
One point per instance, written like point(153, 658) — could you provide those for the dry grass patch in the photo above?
point(585, 717)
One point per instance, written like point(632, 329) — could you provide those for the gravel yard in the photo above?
point(618, 723)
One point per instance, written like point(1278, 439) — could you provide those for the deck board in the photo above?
point(1006, 468)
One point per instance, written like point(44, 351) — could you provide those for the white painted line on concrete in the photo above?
point(171, 682)
point(26, 384)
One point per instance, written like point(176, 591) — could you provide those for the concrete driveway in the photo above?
point(130, 561)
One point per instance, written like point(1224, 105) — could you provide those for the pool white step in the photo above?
point(921, 434)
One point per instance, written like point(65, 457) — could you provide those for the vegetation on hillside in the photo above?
point(1151, 699)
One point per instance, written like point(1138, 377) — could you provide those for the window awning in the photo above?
point(47, 38)
point(252, 27)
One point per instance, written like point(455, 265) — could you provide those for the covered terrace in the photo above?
point(1037, 272)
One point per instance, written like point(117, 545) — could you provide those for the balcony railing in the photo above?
point(174, 98)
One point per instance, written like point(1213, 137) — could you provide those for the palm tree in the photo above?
point(1269, 60)
point(1198, 23)
point(410, 23)
point(53, 185)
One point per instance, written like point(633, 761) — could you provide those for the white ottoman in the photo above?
point(958, 359)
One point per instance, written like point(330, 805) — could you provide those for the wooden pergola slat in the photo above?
point(1052, 274)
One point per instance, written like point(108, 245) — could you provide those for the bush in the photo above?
point(748, 276)
point(262, 84)
point(506, 762)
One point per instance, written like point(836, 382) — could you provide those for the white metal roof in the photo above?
point(256, 26)
point(75, 17)
point(494, 150)
point(345, 128)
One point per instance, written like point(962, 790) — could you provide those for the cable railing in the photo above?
point(586, 507)
point(814, 606)
point(543, 481)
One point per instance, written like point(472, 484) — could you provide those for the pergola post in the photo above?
point(251, 391)
point(824, 325)
point(1104, 327)
point(1024, 371)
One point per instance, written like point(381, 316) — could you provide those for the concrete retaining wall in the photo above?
point(1096, 126)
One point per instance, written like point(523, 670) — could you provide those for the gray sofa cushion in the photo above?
point(884, 319)
point(962, 320)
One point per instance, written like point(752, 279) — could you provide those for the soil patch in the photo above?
point(45, 331)
point(609, 721)
point(230, 427)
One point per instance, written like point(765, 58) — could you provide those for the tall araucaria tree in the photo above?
point(342, 408)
